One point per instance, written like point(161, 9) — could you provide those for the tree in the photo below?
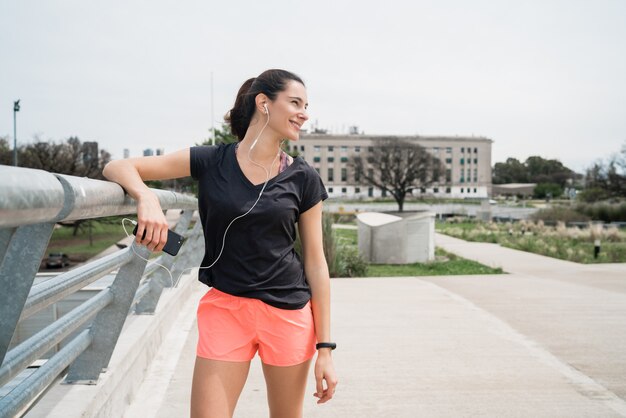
point(534, 170)
point(72, 157)
point(222, 136)
point(511, 171)
point(606, 179)
point(6, 152)
point(397, 166)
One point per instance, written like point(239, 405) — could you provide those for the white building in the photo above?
point(467, 162)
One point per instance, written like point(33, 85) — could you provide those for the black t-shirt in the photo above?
point(259, 260)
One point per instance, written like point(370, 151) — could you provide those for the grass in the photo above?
point(104, 233)
point(571, 244)
point(445, 263)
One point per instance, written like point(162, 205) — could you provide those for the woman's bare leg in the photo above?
point(285, 389)
point(216, 387)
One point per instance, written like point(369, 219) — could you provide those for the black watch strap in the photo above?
point(332, 346)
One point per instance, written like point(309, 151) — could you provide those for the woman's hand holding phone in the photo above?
point(152, 226)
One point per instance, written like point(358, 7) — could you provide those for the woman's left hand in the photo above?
point(325, 371)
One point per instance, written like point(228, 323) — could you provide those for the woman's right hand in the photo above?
point(151, 219)
point(131, 173)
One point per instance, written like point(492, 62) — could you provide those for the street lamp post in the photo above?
point(16, 108)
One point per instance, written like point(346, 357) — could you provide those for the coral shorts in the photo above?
point(233, 328)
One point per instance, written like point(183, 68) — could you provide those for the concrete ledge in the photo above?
point(137, 346)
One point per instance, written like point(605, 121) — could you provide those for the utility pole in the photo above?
point(212, 121)
point(16, 108)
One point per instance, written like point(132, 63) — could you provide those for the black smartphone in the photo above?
point(173, 244)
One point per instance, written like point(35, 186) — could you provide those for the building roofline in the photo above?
point(408, 137)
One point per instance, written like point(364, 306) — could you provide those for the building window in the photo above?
point(462, 180)
point(462, 150)
point(449, 150)
point(384, 193)
point(435, 189)
point(357, 149)
point(331, 174)
point(435, 150)
point(344, 159)
point(448, 190)
point(316, 148)
point(462, 161)
point(475, 150)
point(344, 174)
point(301, 148)
point(448, 175)
point(330, 190)
point(462, 190)
point(448, 160)
point(331, 148)
point(370, 149)
point(422, 189)
point(357, 190)
point(474, 189)
point(344, 149)
point(344, 190)
point(475, 179)
point(475, 160)
point(331, 159)
point(370, 172)
point(370, 192)
point(316, 159)
point(357, 175)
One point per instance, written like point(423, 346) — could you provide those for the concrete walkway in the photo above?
point(546, 340)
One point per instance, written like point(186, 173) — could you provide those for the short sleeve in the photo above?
point(200, 159)
point(314, 190)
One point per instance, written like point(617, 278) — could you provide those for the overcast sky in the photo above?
point(539, 77)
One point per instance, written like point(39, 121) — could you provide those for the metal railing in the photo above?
point(31, 203)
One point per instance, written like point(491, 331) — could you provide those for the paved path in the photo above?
point(546, 340)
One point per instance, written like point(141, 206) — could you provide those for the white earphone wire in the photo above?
point(267, 179)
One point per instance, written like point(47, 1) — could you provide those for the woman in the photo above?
point(263, 297)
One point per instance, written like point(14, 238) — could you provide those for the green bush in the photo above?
point(592, 195)
point(343, 261)
point(604, 211)
point(560, 213)
point(543, 190)
point(350, 263)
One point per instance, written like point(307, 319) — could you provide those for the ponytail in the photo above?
point(270, 83)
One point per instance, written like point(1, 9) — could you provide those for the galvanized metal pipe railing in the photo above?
point(31, 202)
point(31, 349)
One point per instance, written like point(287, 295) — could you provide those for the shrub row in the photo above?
point(583, 212)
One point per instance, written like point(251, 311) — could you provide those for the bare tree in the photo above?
point(397, 166)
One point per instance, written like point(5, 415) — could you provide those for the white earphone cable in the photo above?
point(267, 179)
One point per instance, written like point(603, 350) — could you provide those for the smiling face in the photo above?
point(288, 112)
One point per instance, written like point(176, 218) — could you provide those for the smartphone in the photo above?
point(173, 244)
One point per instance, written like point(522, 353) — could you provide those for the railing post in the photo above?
point(108, 324)
point(161, 278)
point(22, 258)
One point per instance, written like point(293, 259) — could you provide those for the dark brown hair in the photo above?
point(270, 83)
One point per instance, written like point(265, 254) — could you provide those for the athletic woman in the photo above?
point(264, 297)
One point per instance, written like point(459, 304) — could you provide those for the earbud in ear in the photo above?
point(265, 106)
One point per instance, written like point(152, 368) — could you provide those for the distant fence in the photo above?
point(31, 203)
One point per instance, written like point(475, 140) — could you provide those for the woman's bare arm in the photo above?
point(316, 270)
